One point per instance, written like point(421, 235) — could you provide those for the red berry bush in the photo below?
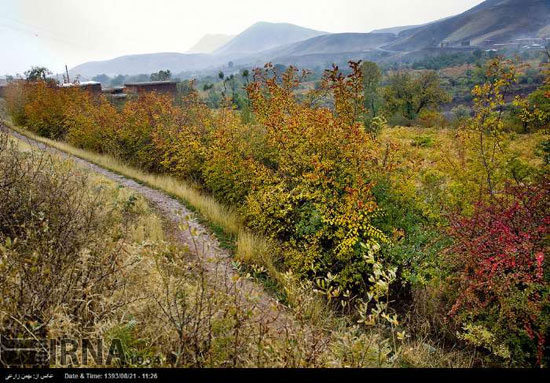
point(501, 275)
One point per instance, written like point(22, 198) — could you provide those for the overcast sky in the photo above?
point(57, 32)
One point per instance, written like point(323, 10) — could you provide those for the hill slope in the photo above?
point(335, 43)
point(498, 20)
point(398, 30)
point(263, 36)
point(209, 43)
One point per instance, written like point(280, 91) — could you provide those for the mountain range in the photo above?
point(500, 21)
point(491, 22)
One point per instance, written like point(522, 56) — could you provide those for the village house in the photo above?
point(116, 94)
point(164, 87)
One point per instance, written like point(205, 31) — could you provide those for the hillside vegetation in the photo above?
point(435, 233)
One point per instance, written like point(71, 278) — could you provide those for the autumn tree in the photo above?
point(487, 124)
point(314, 175)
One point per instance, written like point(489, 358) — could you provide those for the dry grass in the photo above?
point(522, 145)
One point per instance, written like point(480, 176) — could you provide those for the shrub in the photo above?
point(140, 119)
point(92, 123)
point(460, 114)
point(17, 94)
point(423, 142)
point(56, 256)
point(45, 111)
point(183, 139)
point(316, 191)
point(234, 167)
point(501, 274)
point(430, 118)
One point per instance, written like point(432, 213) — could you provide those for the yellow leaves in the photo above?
point(480, 336)
point(301, 174)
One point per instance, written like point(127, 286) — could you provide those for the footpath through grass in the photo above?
point(254, 252)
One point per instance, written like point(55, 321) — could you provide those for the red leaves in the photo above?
point(500, 263)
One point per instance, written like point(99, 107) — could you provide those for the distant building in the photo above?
point(530, 41)
point(115, 93)
point(93, 87)
point(163, 87)
point(507, 45)
point(113, 90)
point(465, 43)
point(3, 90)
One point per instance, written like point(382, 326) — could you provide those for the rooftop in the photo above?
point(83, 83)
point(149, 83)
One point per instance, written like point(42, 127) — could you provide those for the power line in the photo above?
point(36, 31)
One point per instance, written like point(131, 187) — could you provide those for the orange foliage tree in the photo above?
point(317, 167)
point(92, 123)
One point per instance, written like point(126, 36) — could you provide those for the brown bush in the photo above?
point(56, 254)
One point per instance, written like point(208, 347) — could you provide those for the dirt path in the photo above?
point(217, 261)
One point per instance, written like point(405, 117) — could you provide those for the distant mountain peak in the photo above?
point(269, 24)
point(265, 35)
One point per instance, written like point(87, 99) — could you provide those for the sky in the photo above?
point(53, 33)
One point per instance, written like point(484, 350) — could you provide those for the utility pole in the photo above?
point(67, 71)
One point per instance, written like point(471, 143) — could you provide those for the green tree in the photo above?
point(407, 96)
point(118, 80)
point(429, 92)
point(102, 78)
point(372, 75)
point(163, 75)
point(221, 75)
point(37, 73)
point(186, 87)
point(232, 84)
point(246, 76)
